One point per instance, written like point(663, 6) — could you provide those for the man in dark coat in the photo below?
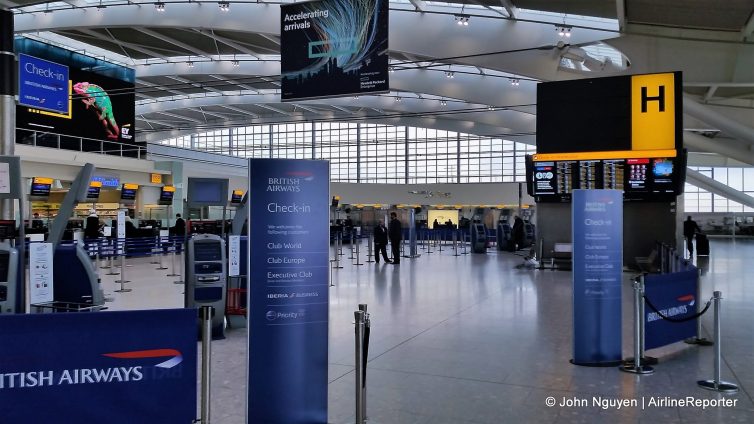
point(380, 242)
point(690, 228)
point(395, 232)
point(180, 226)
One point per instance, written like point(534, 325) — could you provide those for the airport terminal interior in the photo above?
point(376, 211)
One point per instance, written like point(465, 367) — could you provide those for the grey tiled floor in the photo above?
point(471, 339)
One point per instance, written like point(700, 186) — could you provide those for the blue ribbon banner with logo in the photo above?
point(288, 296)
point(94, 367)
point(597, 273)
point(43, 84)
point(675, 295)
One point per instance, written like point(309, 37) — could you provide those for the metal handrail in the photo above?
point(118, 148)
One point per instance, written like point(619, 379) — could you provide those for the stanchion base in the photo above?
point(122, 290)
point(596, 364)
point(122, 281)
point(369, 262)
point(699, 342)
point(645, 360)
point(357, 264)
point(718, 386)
point(162, 267)
point(172, 275)
point(338, 267)
point(642, 369)
point(113, 273)
point(178, 282)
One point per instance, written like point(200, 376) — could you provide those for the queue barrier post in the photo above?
point(113, 252)
point(206, 313)
point(716, 384)
point(370, 252)
point(636, 367)
point(358, 257)
point(173, 255)
point(699, 340)
point(122, 280)
point(359, 330)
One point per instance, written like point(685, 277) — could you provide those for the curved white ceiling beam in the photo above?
point(699, 60)
point(503, 121)
point(475, 88)
point(477, 38)
point(429, 122)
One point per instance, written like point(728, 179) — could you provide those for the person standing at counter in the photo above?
point(380, 242)
point(179, 229)
point(92, 225)
point(395, 232)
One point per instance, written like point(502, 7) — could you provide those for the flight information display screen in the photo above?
point(650, 179)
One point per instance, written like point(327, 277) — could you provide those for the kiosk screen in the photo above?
point(204, 252)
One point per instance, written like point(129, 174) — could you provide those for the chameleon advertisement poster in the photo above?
point(100, 107)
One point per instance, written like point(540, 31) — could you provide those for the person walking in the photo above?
point(380, 242)
point(690, 228)
point(395, 232)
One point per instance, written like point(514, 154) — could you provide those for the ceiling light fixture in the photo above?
point(450, 74)
point(515, 81)
point(563, 30)
point(190, 64)
point(235, 63)
point(398, 99)
point(443, 103)
point(490, 107)
point(391, 69)
point(462, 20)
point(159, 6)
point(224, 6)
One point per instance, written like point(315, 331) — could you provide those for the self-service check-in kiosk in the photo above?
point(206, 276)
point(8, 269)
point(504, 234)
point(478, 238)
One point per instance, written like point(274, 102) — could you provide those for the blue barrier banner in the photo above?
point(43, 84)
point(597, 273)
point(288, 291)
point(94, 367)
point(676, 297)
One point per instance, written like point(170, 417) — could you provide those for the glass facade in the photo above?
point(698, 200)
point(372, 153)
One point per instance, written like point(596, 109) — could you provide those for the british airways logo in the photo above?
point(115, 374)
point(174, 355)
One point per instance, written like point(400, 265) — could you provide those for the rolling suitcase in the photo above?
point(702, 245)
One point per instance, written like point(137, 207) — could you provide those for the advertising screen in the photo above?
point(334, 48)
point(42, 84)
point(81, 102)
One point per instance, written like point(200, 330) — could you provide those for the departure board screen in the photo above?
point(650, 179)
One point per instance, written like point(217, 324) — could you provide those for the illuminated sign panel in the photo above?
point(653, 117)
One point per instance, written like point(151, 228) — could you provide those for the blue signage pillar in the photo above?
point(597, 273)
point(288, 291)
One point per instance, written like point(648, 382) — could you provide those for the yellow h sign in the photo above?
point(653, 112)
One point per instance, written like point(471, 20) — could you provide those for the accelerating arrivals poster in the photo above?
point(334, 48)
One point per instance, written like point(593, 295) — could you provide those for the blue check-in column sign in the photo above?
point(288, 291)
point(43, 84)
point(597, 273)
